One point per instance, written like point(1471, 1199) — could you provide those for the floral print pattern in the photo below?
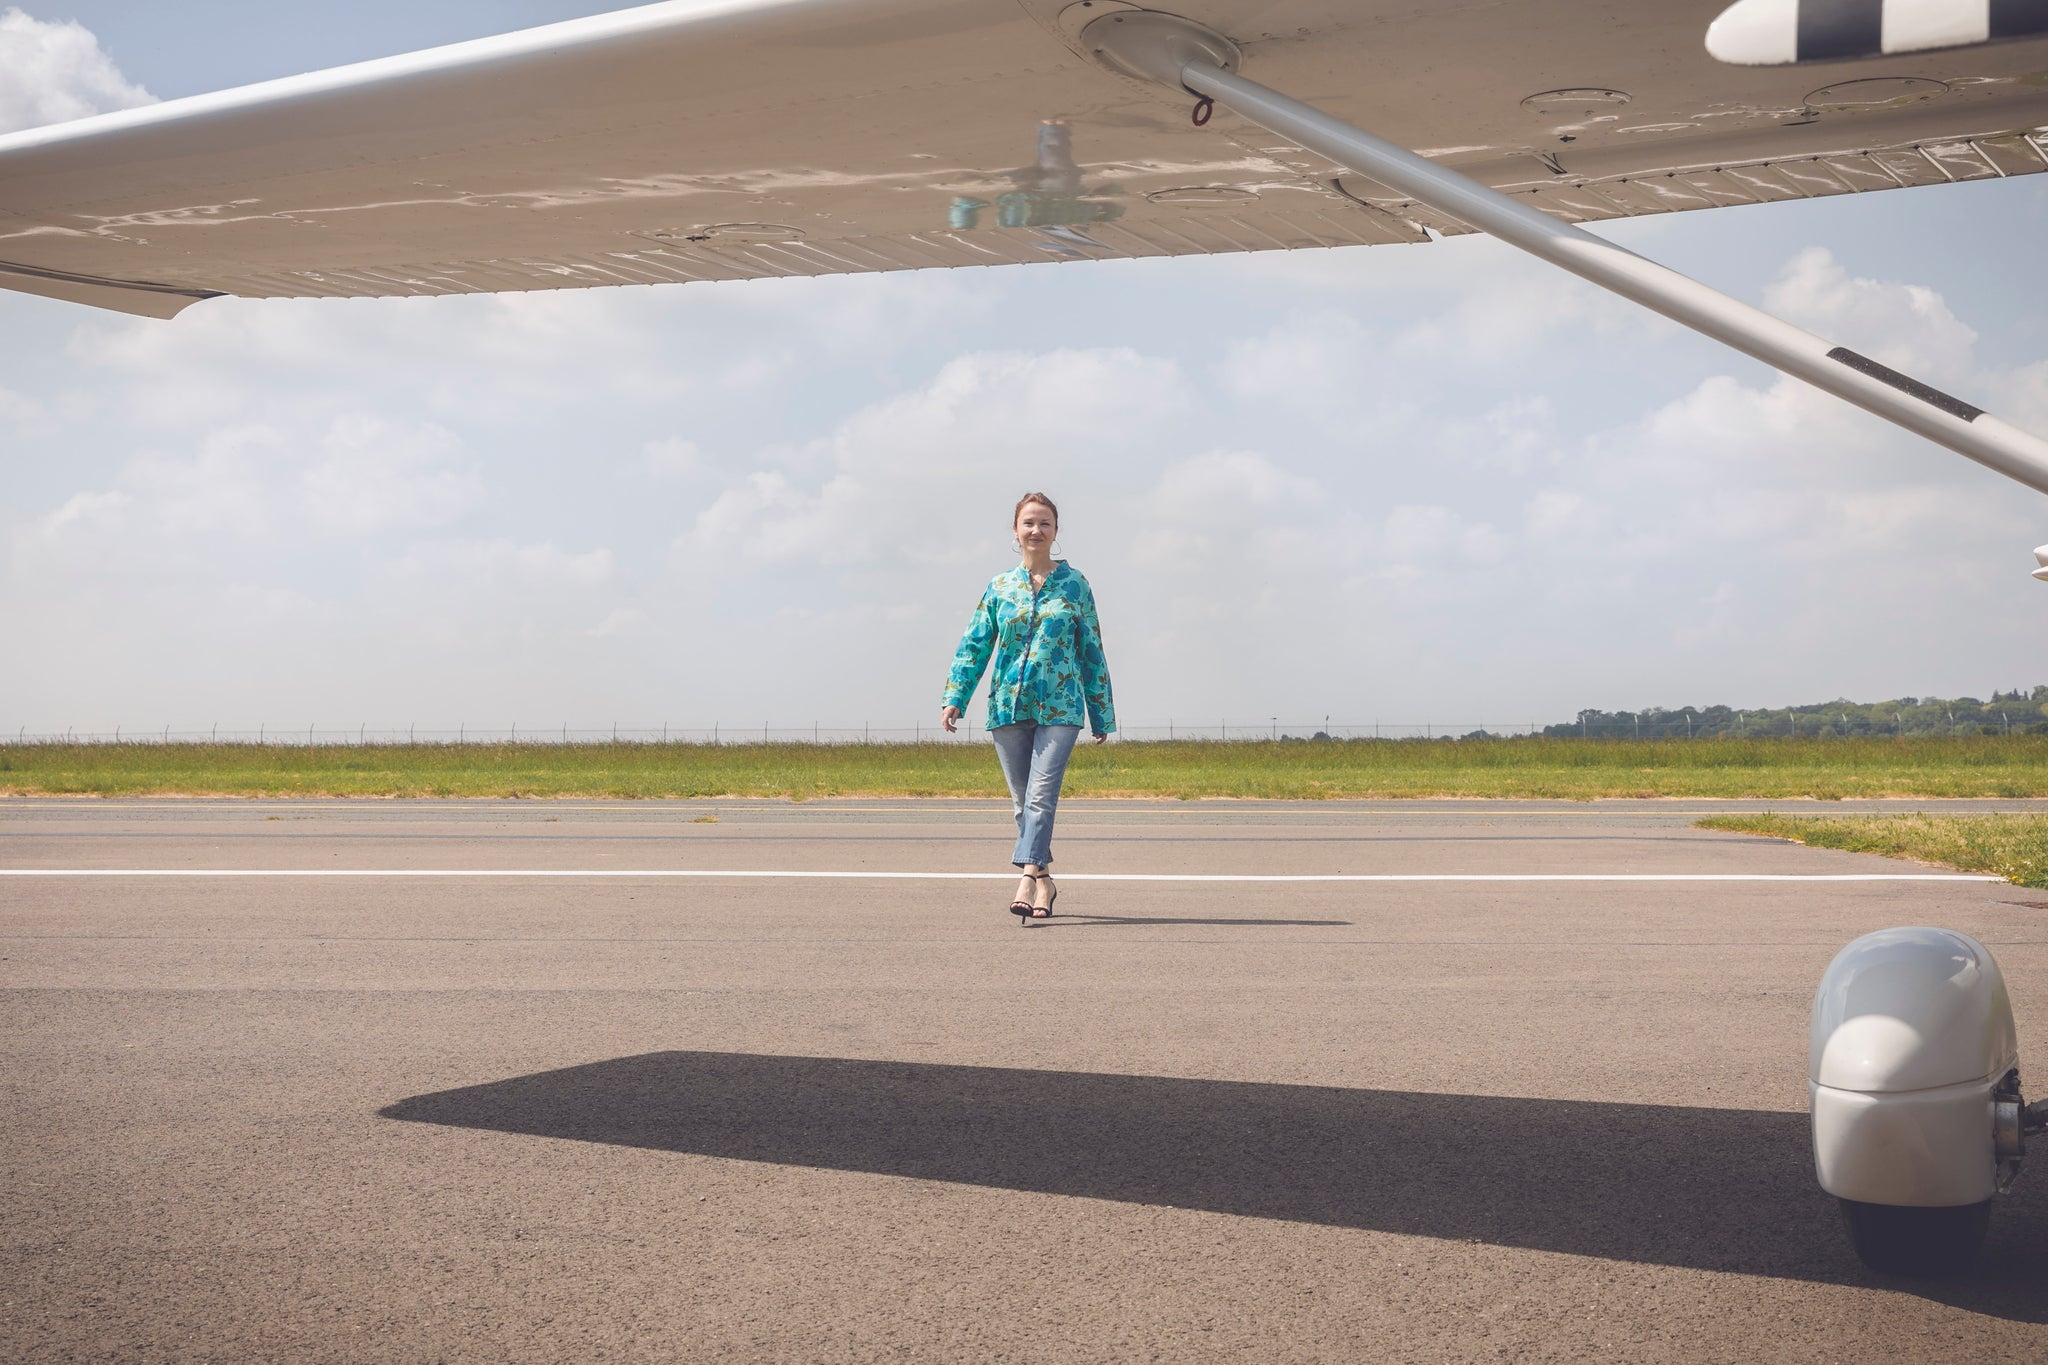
point(1049, 664)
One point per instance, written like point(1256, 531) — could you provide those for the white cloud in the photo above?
point(1050, 410)
point(249, 500)
point(1907, 326)
point(890, 484)
point(467, 359)
point(1222, 527)
point(1416, 407)
point(488, 359)
point(1438, 541)
point(1319, 357)
point(765, 518)
point(500, 564)
point(1727, 435)
point(1756, 526)
point(619, 621)
point(1473, 297)
point(672, 458)
point(55, 72)
point(1561, 516)
point(2024, 395)
point(1521, 305)
point(85, 509)
point(18, 409)
point(368, 476)
point(1228, 487)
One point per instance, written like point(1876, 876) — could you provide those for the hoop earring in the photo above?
point(1054, 551)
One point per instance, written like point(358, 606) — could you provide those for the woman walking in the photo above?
point(1038, 620)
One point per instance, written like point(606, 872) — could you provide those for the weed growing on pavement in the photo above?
point(2014, 847)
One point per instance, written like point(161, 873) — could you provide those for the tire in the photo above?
point(1895, 1240)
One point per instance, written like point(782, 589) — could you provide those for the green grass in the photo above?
point(1827, 769)
point(2014, 847)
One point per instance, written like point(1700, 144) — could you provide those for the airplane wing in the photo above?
point(747, 138)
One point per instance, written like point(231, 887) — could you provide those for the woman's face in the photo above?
point(1035, 527)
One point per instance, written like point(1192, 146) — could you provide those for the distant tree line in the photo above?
point(2015, 712)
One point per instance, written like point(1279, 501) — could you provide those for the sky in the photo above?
point(1440, 483)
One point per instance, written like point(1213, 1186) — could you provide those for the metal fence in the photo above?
point(1753, 724)
point(313, 734)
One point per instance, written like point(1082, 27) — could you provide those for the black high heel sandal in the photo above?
point(1045, 911)
point(1020, 907)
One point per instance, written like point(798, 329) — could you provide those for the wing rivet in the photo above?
point(1204, 107)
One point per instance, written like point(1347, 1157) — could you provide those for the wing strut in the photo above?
point(1181, 54)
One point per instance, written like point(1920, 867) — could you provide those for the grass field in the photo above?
point(2014, 847)
point(1826, 769)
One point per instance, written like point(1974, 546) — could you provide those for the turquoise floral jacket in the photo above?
point(1048, 653)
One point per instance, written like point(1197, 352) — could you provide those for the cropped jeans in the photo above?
point(1034, 759)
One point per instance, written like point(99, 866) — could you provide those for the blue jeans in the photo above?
point(1034, 759)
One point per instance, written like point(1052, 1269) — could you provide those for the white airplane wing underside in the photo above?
point(686, 141)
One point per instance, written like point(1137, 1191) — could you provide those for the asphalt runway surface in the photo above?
point(642, 1116)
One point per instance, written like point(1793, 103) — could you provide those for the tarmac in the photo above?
point(618, 1084)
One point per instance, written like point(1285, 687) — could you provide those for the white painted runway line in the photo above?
point(574, 873)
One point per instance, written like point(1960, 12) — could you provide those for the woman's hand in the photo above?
point(948, 716)
point(1101, 738)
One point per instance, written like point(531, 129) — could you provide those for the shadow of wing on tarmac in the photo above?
point(1082, 919)
point(1711, 1189)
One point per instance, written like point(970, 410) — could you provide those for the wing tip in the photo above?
point(119, 296)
